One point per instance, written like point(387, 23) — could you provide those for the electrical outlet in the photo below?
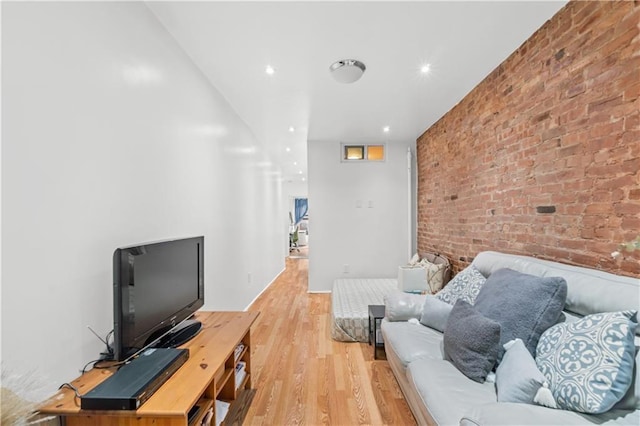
point(345, 268)
point(249, 278)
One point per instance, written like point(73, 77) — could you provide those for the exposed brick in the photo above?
point(605, 104)
point(556, 124)
point(619, 182)
point(575, 90)
point(570, 150)
point(627, 209)
point(605, 129)
point(631, 223)
point(598, 209)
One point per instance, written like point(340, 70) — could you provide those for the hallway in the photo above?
point(304, 377)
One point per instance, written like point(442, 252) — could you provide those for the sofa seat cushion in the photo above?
point(412, 341)
point(446, 392)
point(507, 413)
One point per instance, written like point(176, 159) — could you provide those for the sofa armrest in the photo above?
point(401, 306)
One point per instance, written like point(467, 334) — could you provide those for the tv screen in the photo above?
point(157, 286)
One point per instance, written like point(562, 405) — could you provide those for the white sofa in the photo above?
point(438, 393)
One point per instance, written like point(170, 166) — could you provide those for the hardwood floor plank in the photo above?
point(302, 376)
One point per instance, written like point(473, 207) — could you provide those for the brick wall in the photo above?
point(542, 158)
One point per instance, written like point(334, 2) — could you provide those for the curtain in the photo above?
point(301, 208)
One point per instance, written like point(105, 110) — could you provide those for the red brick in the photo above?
point(585, 19)
point(605, 104)
point(598, 208)
point(631, 223)
point(632, 121)
point(630, 166)
point(556, 124)
point(570, 150)
point(626, 181)
point(631, 92)
point(631, 137)
point(627, 209)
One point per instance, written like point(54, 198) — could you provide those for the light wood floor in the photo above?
point(302, 376)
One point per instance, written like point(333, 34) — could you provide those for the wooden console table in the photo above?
point(208, 374)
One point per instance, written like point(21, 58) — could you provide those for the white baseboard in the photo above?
point(318, 291)
point(265, 288)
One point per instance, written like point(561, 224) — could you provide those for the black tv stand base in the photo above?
point(184, 332)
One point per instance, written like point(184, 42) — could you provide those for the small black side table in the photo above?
point(376, 313)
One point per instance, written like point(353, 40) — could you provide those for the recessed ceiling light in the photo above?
point(299, 172)
point(425, 68)
point(347, 70)
point(269, 70)
point(386, 129)
point(287, 149)
point(291, 129)
point(295, 163)
point(304, 179)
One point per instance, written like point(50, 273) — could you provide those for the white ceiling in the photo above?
point(233, 42)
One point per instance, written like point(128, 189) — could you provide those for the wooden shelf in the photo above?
point(228, 373)
point(208, 373)
point(204, 405)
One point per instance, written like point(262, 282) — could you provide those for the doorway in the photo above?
point(299, 228)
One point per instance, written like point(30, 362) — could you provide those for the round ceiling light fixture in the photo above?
point(347, 70)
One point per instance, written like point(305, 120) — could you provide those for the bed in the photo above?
point(351, 297)
point(350, 300)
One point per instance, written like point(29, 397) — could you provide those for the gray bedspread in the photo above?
point(350, 299)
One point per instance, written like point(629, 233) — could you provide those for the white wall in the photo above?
point(111, 136)
point(372, 241)
point(296, 189)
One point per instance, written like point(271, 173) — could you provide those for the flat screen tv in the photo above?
point(157, 287)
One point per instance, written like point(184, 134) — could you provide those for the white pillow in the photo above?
point(435, 313)
point(401, 306)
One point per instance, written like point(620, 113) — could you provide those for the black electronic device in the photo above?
point(135, 382)
point(157, 287)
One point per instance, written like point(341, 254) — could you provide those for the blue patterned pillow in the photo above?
point(589, 362)
point(465, 286)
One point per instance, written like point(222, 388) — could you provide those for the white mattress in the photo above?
point(350, 300)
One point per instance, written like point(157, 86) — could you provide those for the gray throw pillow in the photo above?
point(471, 341)
point(435, 313)
point(523, 304)
point(517, 377)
